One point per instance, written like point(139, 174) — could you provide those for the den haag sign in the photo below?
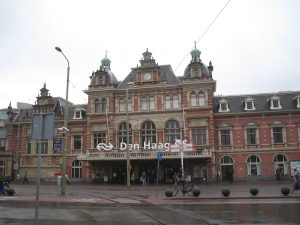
point(177, 147)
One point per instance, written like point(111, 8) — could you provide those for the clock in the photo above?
point(147, 76)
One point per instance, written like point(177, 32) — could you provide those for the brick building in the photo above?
point(252, 135)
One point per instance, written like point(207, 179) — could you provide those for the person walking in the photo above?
point(296, 178)
point(144, 178)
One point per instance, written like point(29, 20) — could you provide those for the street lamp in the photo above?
point(127, 129)
point(64, 159)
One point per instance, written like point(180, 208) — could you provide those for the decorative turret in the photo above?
point(105, 62)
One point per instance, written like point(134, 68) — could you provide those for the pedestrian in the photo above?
point(67, 179)
point(218, 176)
point(2, 191)
point(144, 178)
point(18, 177)
point(296, 178)
point(278, 174)
point(25, 178)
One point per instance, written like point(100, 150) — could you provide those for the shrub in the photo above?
point(225, 192)
point(285, 191)
point(169, 193)
point(10, 191)
point(254, 191)
point(196, 192)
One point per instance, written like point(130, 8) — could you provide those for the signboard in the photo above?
point(57, 145)
point(294, 165)
point(159, 156)
point(42, 126)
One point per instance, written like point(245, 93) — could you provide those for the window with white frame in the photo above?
point(121, 105)
point(277, 135)
point(167, 102)
point(199, 135)
point(249, 104)
point(275, 102)
point(175, 102)
point(77, 142)
point(148, 132)
point(223, 106)
point(297, 99)
point(122, 133)
point(251, 134)
point(44, 146)
point(99, 137)
point(193, 99)
point(76, 169)
point(201, 99)
point(100, 105)
point(225, 135)
point(144, 103)
point(151, 103)
point(281, 162)
point(172, 131)
point(253, 166)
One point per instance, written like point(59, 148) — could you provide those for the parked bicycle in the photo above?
point(187, 186)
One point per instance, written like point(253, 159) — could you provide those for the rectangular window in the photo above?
point(224, 106)
point(2, 145)
point(199, 135)
point(275, 103)
point(278, 135)
point(249, 105)
point(99, 138)
point(28, 146)
point(251, 136)
point(225, 137)
point(77, 142)
point(44, 147)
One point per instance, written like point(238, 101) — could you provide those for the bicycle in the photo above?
point(187, 186)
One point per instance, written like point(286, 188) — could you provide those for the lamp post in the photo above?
point(64, 159)
point(127, 130)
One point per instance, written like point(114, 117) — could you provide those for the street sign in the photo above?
point(16, 166)
point(159, 156)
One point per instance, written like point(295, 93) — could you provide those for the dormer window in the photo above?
point(249, 104)
point(297, 99)
point(79, 113)
point(275, 102)
point(223, 106)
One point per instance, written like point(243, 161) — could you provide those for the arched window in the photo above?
point(144, 103)
point(2, 167)
point(122, 133)
point(121, 105)
point(227, 160)
point(148, 132)
point(193, 99)
point(76, 169)
point(172, 131)
point(280, 162)
point(167, 102)
point(151, 103)
point(253, 165)
point(201, 99)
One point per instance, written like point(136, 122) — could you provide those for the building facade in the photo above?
point(153, 110)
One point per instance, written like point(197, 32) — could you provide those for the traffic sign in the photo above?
point(16, 166)
point(159, 156)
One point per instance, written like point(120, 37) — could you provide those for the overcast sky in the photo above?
point(253, 44)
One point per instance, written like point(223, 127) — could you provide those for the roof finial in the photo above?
point(105, 53)
point(195, 44)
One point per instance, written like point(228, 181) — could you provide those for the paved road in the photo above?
point(94, 204)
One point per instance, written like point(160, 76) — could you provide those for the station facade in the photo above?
point(154, 110)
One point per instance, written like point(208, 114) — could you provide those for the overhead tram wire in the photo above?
point(204, 33)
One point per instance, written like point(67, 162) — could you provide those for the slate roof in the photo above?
point(261, 102)
point(165, 71)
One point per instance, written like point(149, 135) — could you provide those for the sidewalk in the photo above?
point(110, 194)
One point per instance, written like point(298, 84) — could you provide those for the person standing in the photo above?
point(25, 179)
point(2, 191)
point(278, 174)
point(144, 181)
